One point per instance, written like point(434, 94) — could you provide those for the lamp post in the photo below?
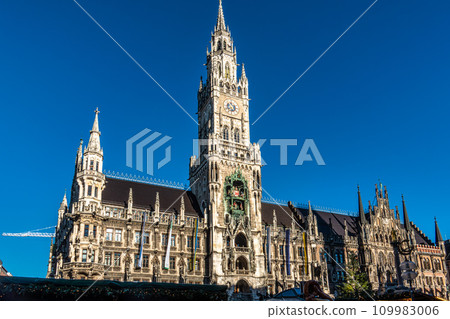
point(408, 273)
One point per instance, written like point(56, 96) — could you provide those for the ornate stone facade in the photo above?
point(222, 230)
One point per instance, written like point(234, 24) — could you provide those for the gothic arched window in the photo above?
point(225, 133)
point(227, 71)
point(241, 263)
point(241, 241)
point(237, 136)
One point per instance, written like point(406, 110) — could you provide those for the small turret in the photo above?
point(92, 181)
point(62, 210)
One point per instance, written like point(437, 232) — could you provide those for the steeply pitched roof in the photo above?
point(284, 218)
point(144, 196)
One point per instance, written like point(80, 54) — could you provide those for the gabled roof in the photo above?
point(144, 196)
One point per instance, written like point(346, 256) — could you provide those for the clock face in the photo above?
point(231, 107)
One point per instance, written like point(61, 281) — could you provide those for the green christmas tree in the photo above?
point(356, 285)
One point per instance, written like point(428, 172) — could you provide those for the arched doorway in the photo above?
point(242, 287)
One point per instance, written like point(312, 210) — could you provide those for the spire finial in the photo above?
point(405, 215)
point(95, 126)
point(362, 214)
point(220, 19)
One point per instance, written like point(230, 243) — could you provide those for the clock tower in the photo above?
point(226, 177)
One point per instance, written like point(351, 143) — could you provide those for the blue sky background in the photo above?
point(376, 104)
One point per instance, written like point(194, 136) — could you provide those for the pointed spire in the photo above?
point(200, 88)
point(94, 140)
point(182, 208)
point(244, 75)
point(437, 232)
point(405, 216)
point(64, 202)
point(157, 206)
point(274, 219)
point(397, 214)
point(345, 227)
point(130, 196)
point(79, 153)
point(309, 208)
point(220, 19)
point(362, 214)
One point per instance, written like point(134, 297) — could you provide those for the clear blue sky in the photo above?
point(377, 105)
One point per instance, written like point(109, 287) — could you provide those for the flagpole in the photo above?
point(169, 243)
point(144, 218)
point(195, 244)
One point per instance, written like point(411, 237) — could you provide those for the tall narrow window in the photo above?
point(164, 239)
point(94, 231)
point(109, 234)
point(227, 71)
point(108, 259)
point(225, 133)
point(91, 165)
point(145, 260)
point(116, 259)
point(86, 230)
point(93, 256)
point(137, 237)
point(84, 256)
point(146, 238)
point(172, 263)
point(189, 242)
point(97, 166)
point(96, 192)
point(89, 190)
point(172, 241)
point(237, 136)
point(118, 235)
point(281, 250)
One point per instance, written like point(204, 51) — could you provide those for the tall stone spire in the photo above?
point(94, 140)
point(405, 216)
point(438, 233)
point(362, 214)
point(220, 19)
